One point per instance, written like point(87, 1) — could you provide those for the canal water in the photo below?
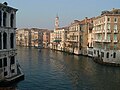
point(54, 70)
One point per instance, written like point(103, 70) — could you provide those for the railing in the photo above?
point(106, 40)
point(115, 41)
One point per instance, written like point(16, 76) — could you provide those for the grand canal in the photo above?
point(54, 70)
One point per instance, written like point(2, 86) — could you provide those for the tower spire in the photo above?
point(56, 22)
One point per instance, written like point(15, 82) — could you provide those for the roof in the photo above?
point(4, 5)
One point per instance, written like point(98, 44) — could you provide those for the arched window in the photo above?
point(4, 40)
point(12, 60)
point(0, 41)
point(5, 61)
point(12, 40)
point(107, 56)
point(11, 20)
point(114, 55)
point(0, 18)
point(4, 18)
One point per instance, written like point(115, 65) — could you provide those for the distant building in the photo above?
point(58, 36)
point(9, 67)
point(23, 37)
point(46, 38)
point(33, 37)
point(77, 38)
point(107, 36)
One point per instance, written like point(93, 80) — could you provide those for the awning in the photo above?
point(57, 41)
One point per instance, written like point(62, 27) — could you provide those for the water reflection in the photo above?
point(51, 70)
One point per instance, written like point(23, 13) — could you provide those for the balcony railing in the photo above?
point(115, 41)
point(106, 41)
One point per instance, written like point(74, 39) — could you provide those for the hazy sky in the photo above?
point(42, 13)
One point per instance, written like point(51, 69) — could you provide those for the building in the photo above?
point(23, 37)
point(107, 36)
point(77, 37)
point(9, 67)
point(46, 39)
point(58, 36)
point(33, 37)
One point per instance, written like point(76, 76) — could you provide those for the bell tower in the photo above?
point(56, 22)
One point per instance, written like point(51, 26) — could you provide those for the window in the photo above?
point(115, 19)
point(102, 54)
point(114, 55)
point(4, 18)
point(13, 70)
point(5, 73)
point(115, 27)
point(108, 37)
point(108, 26)
point(11, 20)
point(5, 61)
point(12, 60)
point(115, 37)
point(0, 63)
point(108, 19)
point(0, 18)
point(107, 56)
point(4, 40)
point(0, 41)
point(94, 51)
point(115, 46)
point(12, 40)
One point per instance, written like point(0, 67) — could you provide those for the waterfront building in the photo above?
point(33, 37)
point(46, 38)
point(73, 38)
point(58, 36)
point(23, 37)
point(107, 36)
point(9, 67)
point(52, 35)
point(77, 38)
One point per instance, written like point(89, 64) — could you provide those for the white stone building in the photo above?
point(9, 68)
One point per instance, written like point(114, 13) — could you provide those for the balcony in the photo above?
point(115, 41)
point(106, 41)
point(98, 31)
point(72, 40)
point(98, 40)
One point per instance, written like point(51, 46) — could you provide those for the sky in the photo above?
point(42, 13)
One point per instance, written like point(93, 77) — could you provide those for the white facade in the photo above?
point(8, 63)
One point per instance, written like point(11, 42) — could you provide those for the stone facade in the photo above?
point(8, 63)
point(107, 37)
point(33, 37)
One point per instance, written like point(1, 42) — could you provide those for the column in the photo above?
point(8, 20)
point(14, 20)
point(2, 18)
point(2, 39)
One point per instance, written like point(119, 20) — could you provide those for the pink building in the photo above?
point(46, 38)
